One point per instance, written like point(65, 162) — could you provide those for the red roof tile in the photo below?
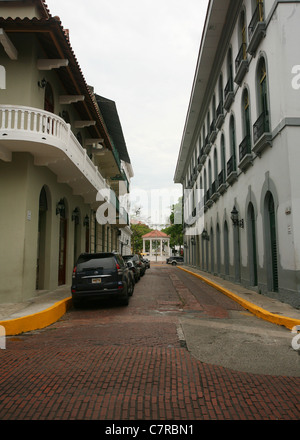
point(156, 234)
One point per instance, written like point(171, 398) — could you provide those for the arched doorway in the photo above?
point(212, 251)
point(226, 249)
point(62, 256)
point(76, 218)
point(87, 233)
point(41, 242)
point(218, 249)
point(252, 247)
point(271, 236)
point(236, 253)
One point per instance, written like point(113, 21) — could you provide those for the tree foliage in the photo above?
point(138, 230)
point(175, 231)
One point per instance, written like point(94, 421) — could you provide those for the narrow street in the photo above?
point(179, 351)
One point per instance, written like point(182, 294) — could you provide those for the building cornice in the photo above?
point(218, 28)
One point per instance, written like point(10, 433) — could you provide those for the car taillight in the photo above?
point(74, 272)
point(119, 270)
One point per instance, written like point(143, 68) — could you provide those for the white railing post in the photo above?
point(9, 120)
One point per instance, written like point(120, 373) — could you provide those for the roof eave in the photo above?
point(217, 12)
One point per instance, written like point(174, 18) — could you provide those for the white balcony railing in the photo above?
point(42, 134)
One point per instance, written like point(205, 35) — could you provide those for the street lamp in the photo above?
point(235, 218)
point(60, 207)
point(205, 235)
point(75, 216)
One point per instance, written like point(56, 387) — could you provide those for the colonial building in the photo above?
point(240, 149)
point(63, 157)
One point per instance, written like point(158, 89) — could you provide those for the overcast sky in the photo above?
point(142, 54)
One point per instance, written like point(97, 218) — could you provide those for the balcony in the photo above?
point(256, 29)
point(231, 171)
point(199, 164)
point(220, 115)
point(203, 156)
point(246, 156)
point(208, 200)
point(221, 182)
point(262, 137)
point(213, 132)
point(50, 141)
point(214, 191)
point(229, 94)
point(241, 64)
point(207, 147)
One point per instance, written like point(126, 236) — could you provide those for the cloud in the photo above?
point(142, 54)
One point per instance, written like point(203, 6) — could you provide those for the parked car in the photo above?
point(134, 268)
point(132, 278)
point(99, 276)
point(175, 260)
point(138, 260)
point(147, 262)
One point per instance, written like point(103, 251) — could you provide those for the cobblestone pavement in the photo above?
point(107, 362)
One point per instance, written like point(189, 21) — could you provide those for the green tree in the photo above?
point(138, 230)
point(175, 231)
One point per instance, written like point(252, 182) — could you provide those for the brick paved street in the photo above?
point(129, 363)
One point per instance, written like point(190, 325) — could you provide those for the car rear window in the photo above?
point(86, 262)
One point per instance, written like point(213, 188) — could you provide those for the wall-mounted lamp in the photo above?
point(185, 245)
point(86, 221)
point(205, 235)
point(75, 216)
point(60, 207)
point(235, 218)
point(193, 241)
point(42, 84)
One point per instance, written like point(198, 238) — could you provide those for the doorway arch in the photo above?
point(226, 248)
point(271, 242)
point(62, 250)
point(212, 251)
point(44, 204)
point(252, 244)
point(218, 239)
point(76, 218)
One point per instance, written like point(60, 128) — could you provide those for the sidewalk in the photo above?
point(47, 308)
point(35, 313)
point(260, 305)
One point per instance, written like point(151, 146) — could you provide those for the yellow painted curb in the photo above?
point(37, 320)
point(256, 310)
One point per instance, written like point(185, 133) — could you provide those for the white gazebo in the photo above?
point(163, 249)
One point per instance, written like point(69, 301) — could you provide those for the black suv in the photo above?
point(175, 260)
point(99, 276)
point(137, 259)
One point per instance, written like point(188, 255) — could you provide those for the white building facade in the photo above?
point(63, 163)
point(240, 151)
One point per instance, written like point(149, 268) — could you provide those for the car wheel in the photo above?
point(76, 303)
point(174, 263)
point(125, 301)
point(130, 293)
